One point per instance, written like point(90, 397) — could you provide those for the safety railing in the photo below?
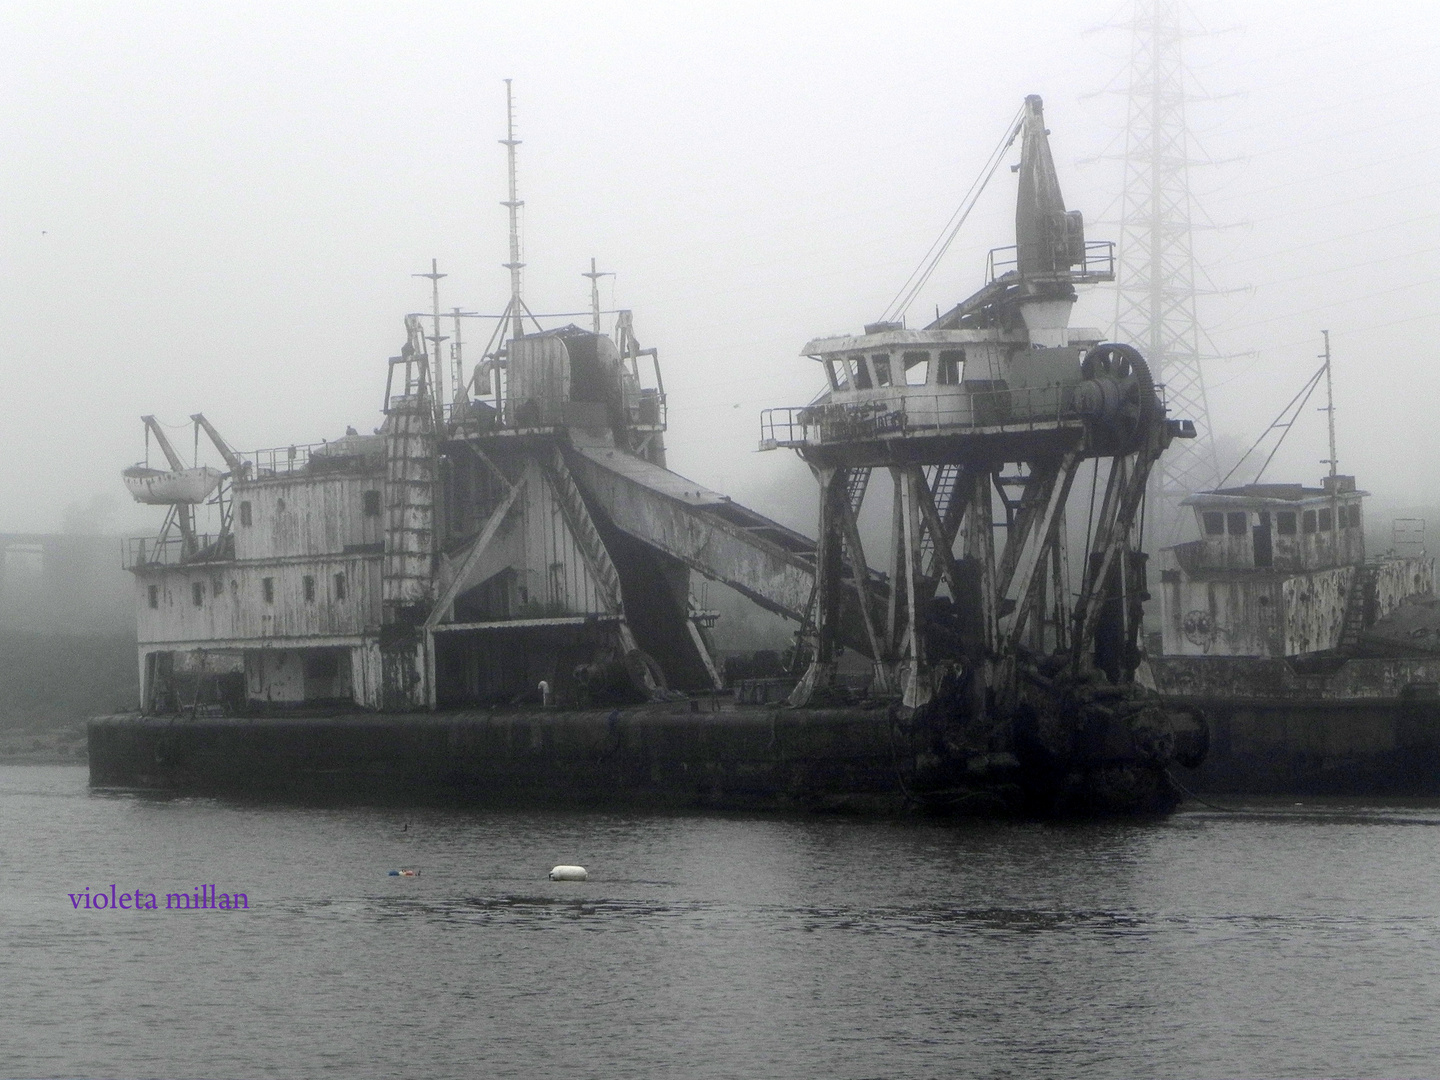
point(281, 460)
point(645, 412)
point(908, 414)
point(141, 551)
point(1098, 263)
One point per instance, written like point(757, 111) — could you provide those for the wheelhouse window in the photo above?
point(951, 361)
point(862, 374)
point(1285, 522)
point(309, 584)
point(267, 588)
point(197, 593)
point(371, 502)
point(152, 595)
point(339, 586)
point(917, 368)
point(1308, 521)
point(1236, 522)
point(880, 362)
point(1214, 523)
point(1326, 524)
point(245, 514)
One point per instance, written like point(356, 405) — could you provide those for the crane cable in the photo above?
point(917, 280)
point(1302, 396)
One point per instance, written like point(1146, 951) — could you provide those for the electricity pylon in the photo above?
point(1155, 283)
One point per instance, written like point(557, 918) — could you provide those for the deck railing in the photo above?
point(281, 460)
point(1098, 264)
point(906, 414)
point(141, 551)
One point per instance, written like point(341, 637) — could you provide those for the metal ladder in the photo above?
point(1362, 587)
point(942, 480)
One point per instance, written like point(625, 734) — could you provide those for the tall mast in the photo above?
point(513, 203)
point(437, 379)
point(457, 362)
point(595, 276)
point(1330, 406)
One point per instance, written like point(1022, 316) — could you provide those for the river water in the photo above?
point(1283, 940)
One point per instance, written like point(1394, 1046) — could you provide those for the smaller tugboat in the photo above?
point(1317, 667)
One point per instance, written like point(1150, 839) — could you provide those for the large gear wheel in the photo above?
point(1129, 401)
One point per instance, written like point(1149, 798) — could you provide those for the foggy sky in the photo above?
point(219, 208)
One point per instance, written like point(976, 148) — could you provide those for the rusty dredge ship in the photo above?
point(373, 611)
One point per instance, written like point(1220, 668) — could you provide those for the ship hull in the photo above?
point(1363, 727)
point(668, 758)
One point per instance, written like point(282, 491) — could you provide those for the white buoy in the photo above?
point(569, 873)
point(544, 689)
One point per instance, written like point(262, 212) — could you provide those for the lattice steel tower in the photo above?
point(1155, 285)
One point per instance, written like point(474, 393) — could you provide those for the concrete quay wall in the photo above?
point(649, 756)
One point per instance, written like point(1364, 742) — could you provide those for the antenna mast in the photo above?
point(595, 276)
point(517, 305)
point(457, 363)
point(437, 385)
point(1330, 408)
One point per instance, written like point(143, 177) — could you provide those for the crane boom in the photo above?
point(232, 459)
point(159, 433)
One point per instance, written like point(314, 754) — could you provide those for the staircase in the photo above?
point(942, 480)
point(855, 484)
point(409, 504)
point(1362, 588)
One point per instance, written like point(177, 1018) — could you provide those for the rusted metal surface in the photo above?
point(303, 516)
point(1315, 606)
point(1277, 679)
point(762, 559)
point(227, 601)
point(1397, 580)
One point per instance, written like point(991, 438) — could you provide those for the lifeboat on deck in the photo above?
point(165, 487)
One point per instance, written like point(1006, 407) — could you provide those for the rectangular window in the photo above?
point(1285, 522)
point(950, 362)
point(153, 595)
point(309, 589)
point(1236, 522)
point(244, 513)
point(267, 586)
point(1308, 521)
point(372, 503)
point(339, 586)
point(216, 587)
point(197, 593)
point(881, 363)
point(1214, 523)
point(917, 365)
point(1325, 523)
point(862, 375)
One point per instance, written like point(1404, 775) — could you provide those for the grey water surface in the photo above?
point(1285, 940)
